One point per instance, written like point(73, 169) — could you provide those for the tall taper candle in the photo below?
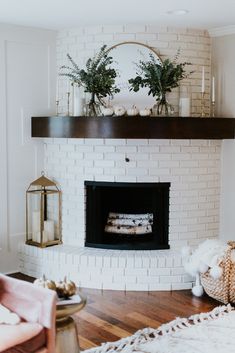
point(213, 89)
point(57, 89)
point(203, 79)
point(68, 86)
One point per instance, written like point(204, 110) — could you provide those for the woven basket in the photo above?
point(222, 289)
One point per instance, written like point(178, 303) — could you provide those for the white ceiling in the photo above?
point(60, 14)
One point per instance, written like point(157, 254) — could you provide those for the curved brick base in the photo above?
point(107, 269)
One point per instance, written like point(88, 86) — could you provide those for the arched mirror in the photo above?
point(125, 57)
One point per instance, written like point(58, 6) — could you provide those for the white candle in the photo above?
point(203, 80)
point(78, 101)
point(49, 230)
point(57, 89)
point(38, 237)
point(45, 237)
point(35, 225)
point(184, 107)
point(213, 89)
point(72, 99)
point(68, 86)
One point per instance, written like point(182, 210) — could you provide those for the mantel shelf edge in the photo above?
point(133, 127)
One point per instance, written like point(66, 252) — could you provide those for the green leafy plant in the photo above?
point(159, 77)
point(98, 77)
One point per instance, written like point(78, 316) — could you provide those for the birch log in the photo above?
point(130, 216)
point(129, 222)
point(128, 229)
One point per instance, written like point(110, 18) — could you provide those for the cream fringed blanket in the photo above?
point(212, 332)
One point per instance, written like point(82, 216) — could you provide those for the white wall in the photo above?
point(223, 59)
point(27, 71)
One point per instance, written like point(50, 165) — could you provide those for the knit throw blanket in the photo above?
point(212, 332)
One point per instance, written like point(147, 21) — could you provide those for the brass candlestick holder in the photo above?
point(57, 107)
point(203, 114)
point(68, 102)
point(213, 109)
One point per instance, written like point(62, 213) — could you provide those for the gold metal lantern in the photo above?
point(43, 213)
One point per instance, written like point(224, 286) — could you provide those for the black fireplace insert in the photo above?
point(127, 216)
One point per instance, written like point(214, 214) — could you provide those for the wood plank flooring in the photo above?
point(111, 315)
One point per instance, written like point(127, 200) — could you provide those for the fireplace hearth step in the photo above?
point(147, 270)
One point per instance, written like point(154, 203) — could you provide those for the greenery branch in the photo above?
point(97, 78)
point(159, 76)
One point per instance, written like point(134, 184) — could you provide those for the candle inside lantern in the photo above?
point(203, 80)
point(213, 89)
point(49, 230)
point(36, 226)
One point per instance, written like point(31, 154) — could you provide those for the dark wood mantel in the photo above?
point(133, 127)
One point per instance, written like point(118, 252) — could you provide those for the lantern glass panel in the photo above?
point(34, 216)
point(52, 216)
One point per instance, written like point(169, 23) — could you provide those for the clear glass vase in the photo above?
point(163, 107)
point(93, 109)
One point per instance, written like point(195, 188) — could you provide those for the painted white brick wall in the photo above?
point(191, 166)
point(193, 169)
point(194, 44)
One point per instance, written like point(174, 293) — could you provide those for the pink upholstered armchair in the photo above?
point(36, 308)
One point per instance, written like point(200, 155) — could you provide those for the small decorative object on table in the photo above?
point(45, 283)
point(66, 288)
point(98, 79)
point(160, 78)
point(213, 265)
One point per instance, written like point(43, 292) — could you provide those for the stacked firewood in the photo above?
point(125, 223)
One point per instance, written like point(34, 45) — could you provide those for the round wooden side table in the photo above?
point(66, 329)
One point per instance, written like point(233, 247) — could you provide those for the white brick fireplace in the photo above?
point(191, 166)
point(193, 169)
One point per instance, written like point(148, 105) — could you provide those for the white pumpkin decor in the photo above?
point(119, 111)
point(65, 288)
point(145, 112)
point(45, 283)
point(107, 111)
point(132, 111)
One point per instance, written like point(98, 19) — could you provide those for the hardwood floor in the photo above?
point(111, 315)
